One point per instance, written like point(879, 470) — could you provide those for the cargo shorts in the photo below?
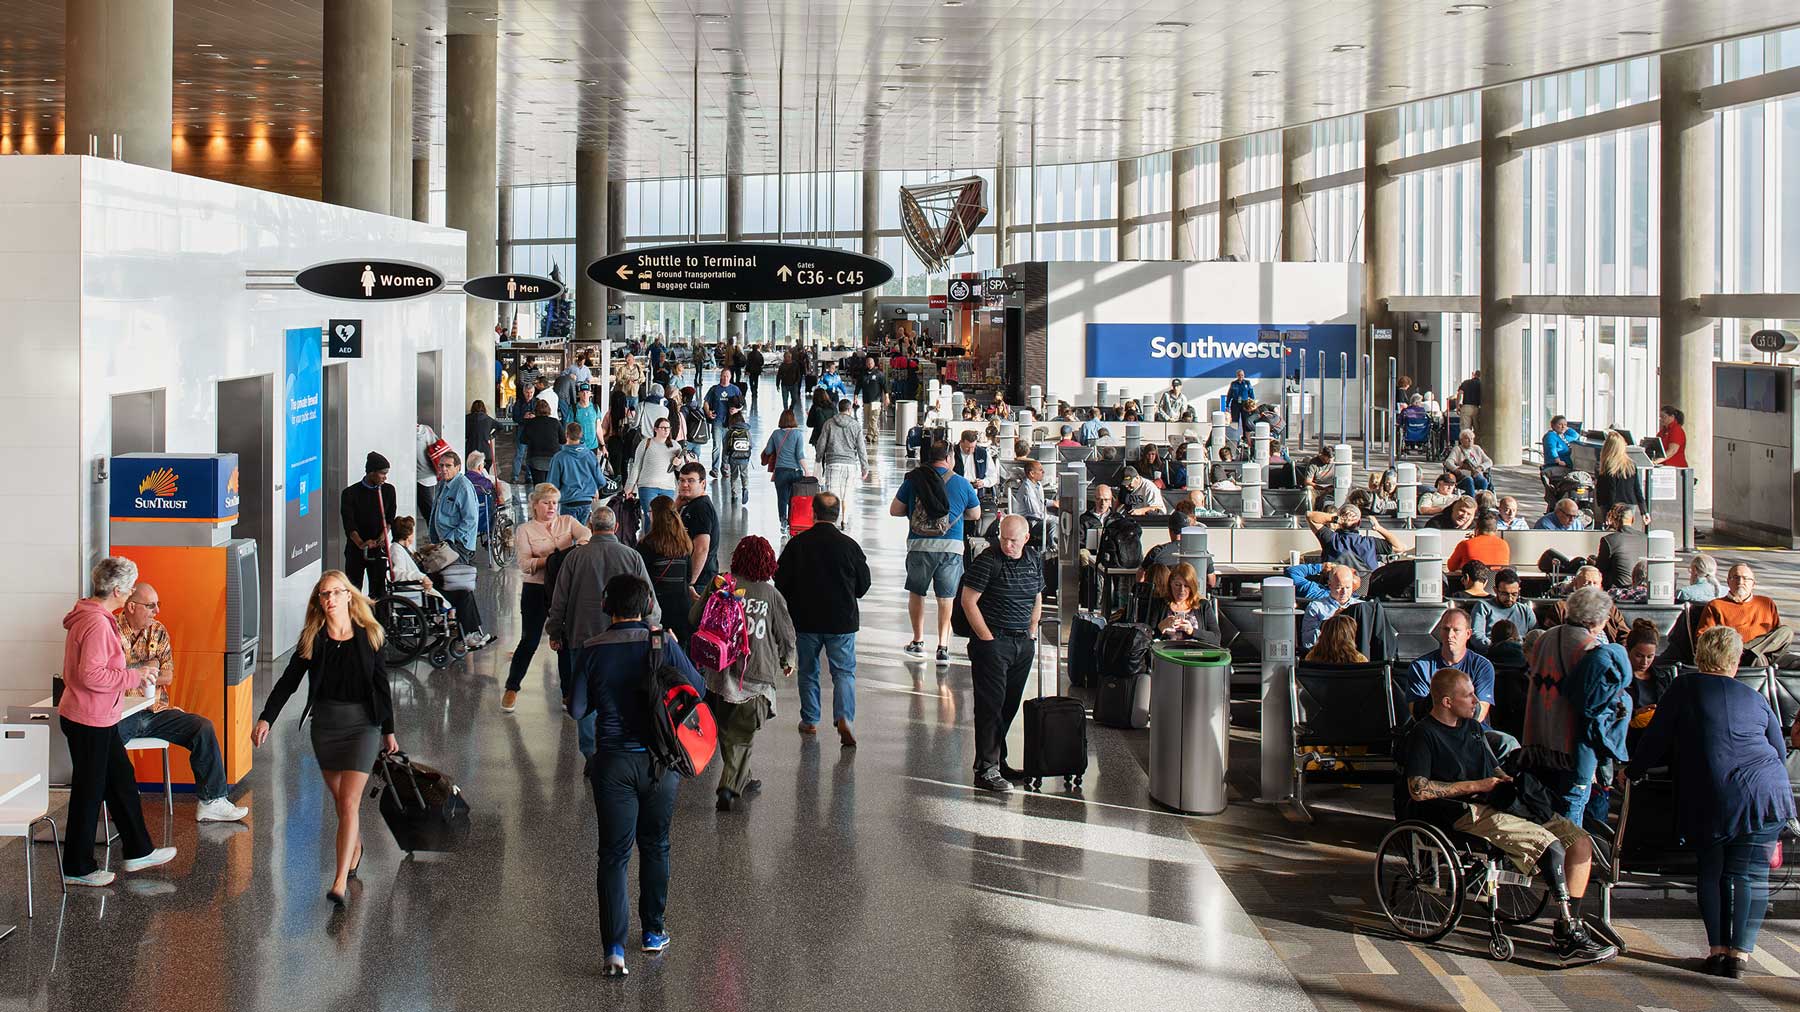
point(1521, 840)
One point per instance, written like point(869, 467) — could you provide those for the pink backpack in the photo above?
point(723, 637)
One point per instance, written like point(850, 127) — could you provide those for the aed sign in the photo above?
point(344, 338)
point(190, 487)
point(512, 288)
point(1205, 350)
point(369, 280)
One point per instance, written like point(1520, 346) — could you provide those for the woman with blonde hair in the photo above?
point(534, 541)
point(348, 699)
point(1337, 643)
point(1617, 479)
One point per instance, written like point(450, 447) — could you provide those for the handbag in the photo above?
point(436, 558)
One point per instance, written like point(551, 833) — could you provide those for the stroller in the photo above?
point(1576, 485)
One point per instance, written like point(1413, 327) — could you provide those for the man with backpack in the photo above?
point(821, 574)
point(737, 456)
point(935, 501)
point(1003, 598)
point(629, 769)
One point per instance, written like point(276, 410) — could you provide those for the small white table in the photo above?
point(11, 786)
point(127, 706)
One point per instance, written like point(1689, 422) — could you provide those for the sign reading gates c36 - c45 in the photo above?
point(192, 487)
point(1209, 350)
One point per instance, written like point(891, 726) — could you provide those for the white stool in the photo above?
point(146, 744)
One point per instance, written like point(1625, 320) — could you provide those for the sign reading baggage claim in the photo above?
point(740, 272)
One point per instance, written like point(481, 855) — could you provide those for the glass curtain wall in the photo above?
point(1758, 188)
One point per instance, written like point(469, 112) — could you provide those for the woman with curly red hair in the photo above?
point(742, 696)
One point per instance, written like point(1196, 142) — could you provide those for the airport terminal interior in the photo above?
point(977, 504)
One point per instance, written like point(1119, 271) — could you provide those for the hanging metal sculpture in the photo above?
point(939, 218)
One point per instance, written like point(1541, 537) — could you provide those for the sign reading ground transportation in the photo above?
point(740, 272)
point(369, 280)
point(512, 288)
point(1167, 350)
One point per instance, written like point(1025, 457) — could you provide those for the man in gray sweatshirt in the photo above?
point(576, 612)
point(843, 456)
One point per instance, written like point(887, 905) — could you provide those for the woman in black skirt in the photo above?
point(352, 711)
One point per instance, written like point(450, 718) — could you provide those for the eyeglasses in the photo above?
point(150, 606)
point(326, 595)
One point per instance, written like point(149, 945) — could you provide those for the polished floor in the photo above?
point(866, 878)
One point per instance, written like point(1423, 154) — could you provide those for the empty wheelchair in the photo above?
point(416, 625)
point(1425, 876)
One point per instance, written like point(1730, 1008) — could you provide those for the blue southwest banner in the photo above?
point(1211, 350)
point(191, 487)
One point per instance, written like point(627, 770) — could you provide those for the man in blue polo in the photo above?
point(935, 501)
point(718, 410)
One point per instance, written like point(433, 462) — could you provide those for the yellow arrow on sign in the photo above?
point(624, 271)
point(784, 273)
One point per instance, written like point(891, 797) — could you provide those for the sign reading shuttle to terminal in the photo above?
point(1209, 350)
point(740, 272)
point(369, 280)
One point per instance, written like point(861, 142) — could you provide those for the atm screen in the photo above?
point(1762, 390)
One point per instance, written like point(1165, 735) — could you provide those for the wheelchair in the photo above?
point(416, 625)
point(1421, 434)
point(1425, 876)
point(494, 530)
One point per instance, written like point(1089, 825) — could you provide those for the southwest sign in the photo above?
point(193, 487)
point(1205, 350)
point(740, 272)
point(512, 288)
point(369, 280)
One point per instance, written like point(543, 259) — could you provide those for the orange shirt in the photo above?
point(1489, 548)
point(1751, 619)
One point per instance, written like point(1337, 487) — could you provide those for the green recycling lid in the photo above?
point(1193, 657)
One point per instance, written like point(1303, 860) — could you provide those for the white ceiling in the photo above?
point(1103, 78)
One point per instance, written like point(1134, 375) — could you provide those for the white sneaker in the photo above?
point(161, 855)
point(96, 878)
point(220, 810)
point(475, 640)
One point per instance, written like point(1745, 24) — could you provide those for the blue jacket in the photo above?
point(1240, 391)
point(457, 515)
point(1547, 522)
point(575, 473)
point(1556, 449)
point(1729, 778)
point(610, 671)
point(1306, 588)
point(1604, 675)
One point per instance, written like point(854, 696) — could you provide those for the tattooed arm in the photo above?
point(1424, 789)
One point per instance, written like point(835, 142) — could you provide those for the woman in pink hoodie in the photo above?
point(94, 681)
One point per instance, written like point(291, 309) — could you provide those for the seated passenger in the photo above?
point(1336, 643)
point(1635, 590)
point(1504, 649)
point(1178, 613)
point(1068, 440)
point(1647, 686)
point(1452, 634)
point(406, 568)
point(1101, 511)
point(1754, 616)
point(1460, 516)
point(1485, 545)
point(1557, 458)
point(1567, 516)
point(1509, 518)
point(1470, 464)
point(1414, 410)
point(1340, 592)
point(1734, 794)
point(1475, 579)
point(1621, 549)
point(1442, 494)
point(1340, 541)
point(1169, 552)
point(1315, 472)
point(1028, 494)
point(1384, 491)
point(1503, 605)
point(1220, 473)
point(1703, 581)
point(1454, 781)
point(148, 651)
point(1140, 497)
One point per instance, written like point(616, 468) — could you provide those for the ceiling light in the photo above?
point(1636, 33)
point(712, 18)
point(726, 50)
point(928, 40)
point(586, 81)
point(1109, 58)
point(891, 87)
point(184, 82)
point(557, 60)
point(49, 80)
point(1263, 73)
point(296, 77)
point(1068, 80)
point(259, 67)
point(203, 45)
point(1205, 94)
point(1469, 7)
point(1399, 87)
point(906, 66)
point(734, 74)
point(1348, 47)
point(515, 35)
point(953, 3)
point(1171, 26)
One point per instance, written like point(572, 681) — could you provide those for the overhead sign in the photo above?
point(740, 272)
point(369, 280)
point(303, 499)
point(512, 288)
point(194, 487)
point(739, 307)
point(1774, 342)
point(961, 290)
point(996, 287)
point(937, 302)
point(344, 337)
point(1202, 350)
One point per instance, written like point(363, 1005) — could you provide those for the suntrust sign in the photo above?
point(1167, 350)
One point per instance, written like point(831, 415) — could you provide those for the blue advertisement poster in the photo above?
point(305, 432)
point(1211, 350)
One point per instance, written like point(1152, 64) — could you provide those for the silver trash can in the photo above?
point(1190, 726)
point(906, 415)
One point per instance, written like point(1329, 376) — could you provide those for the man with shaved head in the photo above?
point(1003, 597)
point(149, 653)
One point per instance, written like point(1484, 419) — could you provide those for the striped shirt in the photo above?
point(1008, 588)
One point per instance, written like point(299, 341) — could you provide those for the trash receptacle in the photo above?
point(906, 415)
point(1190, 726)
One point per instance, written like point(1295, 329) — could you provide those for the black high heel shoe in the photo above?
point(340, 899)
point(357, 866)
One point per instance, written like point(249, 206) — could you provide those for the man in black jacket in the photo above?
point(753, 370)
point(368, 509)
point(821, 574)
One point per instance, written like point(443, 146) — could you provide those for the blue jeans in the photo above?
point(578, 510)
point(634, 806)
point(189, 731)
point(648, 495)
point(785, 477)
point(840, 653)
point(1473, 483)
point(1577, 800)
point(1734, 887)
point(718, 449)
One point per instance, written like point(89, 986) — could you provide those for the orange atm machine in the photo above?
point(172, 515)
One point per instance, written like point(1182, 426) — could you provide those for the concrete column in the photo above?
point(871, 241)
point(359, 98)
point(1184, 180)
point(421, 189)
point(503, 219)
point(400, 160)
point(590, 240)
point(1500, 427)
point(1297, 241)
point(615, 216)
point(470, 197)
point(1126, 204)
point(735, 320)
point(1689, 172)
point(1381, 198)
point(118, 59)
point(1234, 182)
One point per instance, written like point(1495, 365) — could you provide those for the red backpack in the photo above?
point(683, 734)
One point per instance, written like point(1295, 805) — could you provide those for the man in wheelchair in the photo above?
point(1454, 782)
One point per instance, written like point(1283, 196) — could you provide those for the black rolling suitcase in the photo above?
point(1084, 643)
point(423, 809)
point(1055, 731)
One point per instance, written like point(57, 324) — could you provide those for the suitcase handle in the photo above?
point(1054, 624)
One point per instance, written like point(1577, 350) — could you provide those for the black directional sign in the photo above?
point(740, 307)
point(345, 338)
point(512, 288)
point(369, 280)
point(740, 272)
point(1773, 341)
point(960, 290)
